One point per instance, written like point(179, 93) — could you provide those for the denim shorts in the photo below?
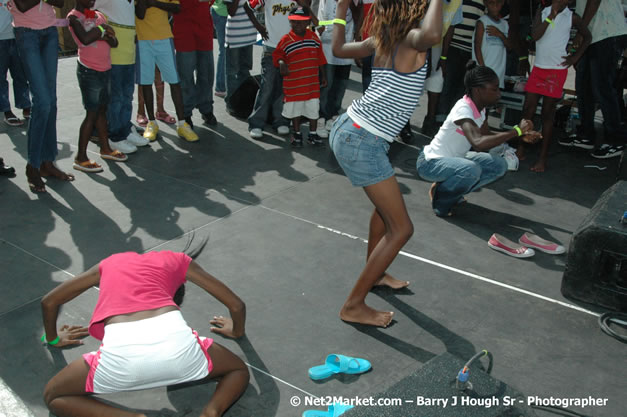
point(362, 155)
point(95, 87)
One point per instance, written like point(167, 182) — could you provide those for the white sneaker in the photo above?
point(123, 146)
point(256, 133)
point(321, 130)
point(329, 124)
point(135, 139)
point(283, 130)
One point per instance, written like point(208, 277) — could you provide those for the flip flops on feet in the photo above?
point(334, 410)
point(116, 156)
point(87, 166)
point(336, 364)
point(506, 246)
point(13, 120)
point(165, 117)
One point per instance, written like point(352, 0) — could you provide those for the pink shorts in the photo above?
point(547, 82)
point(148, 353)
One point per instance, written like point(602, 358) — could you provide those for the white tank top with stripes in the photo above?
point(389, 101)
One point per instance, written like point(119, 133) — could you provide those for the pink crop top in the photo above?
point(131, 282)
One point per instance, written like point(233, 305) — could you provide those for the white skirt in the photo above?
point(148, 353)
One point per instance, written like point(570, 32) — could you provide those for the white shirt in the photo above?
point(277, 23)
point(609, 20)
point(326, 11)
point(450, 141)
point(117, 11)
point(492, 48)
point(551, 47)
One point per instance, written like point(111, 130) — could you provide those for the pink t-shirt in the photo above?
point(130, 282)
point(96, 55)
point(41, 16)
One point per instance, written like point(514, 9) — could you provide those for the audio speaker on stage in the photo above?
point(596, 268)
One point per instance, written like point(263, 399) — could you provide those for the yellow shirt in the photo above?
point(154, 26)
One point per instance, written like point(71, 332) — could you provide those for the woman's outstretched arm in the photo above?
point(430, 32)
point(341, 49)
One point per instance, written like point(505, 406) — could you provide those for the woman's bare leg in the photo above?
point(375, 233)
point(233, 375)
point(390, 207)
point(65, 395)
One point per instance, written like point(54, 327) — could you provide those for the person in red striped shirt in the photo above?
point(301, 61)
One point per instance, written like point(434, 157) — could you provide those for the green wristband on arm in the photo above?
point(54, 342)
point(517, 129)
point(102, 31)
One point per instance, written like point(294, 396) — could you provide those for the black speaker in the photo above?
point(242, 101)
point(596, 268)
point(431, 392)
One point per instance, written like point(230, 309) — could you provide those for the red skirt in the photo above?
point(547, 82)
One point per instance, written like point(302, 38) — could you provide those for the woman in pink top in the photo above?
point(145, 340)
point(38, 43)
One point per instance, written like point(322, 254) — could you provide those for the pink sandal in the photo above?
point(142, 120)
point(165, 117)
point(506, 246)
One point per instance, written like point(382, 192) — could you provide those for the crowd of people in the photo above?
point(403, 48)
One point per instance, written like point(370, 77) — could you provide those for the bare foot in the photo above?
point(520, 153)
point(389, 281)
point(49, 169)
point(365, 315)
point(540, 166)
point(432, 190)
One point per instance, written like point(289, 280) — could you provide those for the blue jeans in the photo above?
point(197, 93)
point(332, 95)
point(269, 96)
point(459, 176)
point(38, 50)
point(219, 23)
point(10, 61)
point(594, 82)
point(239, 62)
point(120, 108)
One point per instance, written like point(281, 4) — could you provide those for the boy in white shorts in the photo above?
point(301, 61)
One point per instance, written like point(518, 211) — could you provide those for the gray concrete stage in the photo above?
point(287, 233)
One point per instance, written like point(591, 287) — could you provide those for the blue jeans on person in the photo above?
point(269, 96)
point(198, 92)
point(459, 176)
point(239, 62)
point(594, 82)
point(332, 95)
point(120, 108)
point(219, 24)
point(38, 50)
point(11, 62)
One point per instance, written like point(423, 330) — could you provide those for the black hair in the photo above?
point(477, 76)
point(193, 253)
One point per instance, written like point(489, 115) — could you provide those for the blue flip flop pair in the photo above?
point(336, 364)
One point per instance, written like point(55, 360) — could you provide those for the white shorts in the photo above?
point(148, 353)
point(309, 109)
point(435, 81)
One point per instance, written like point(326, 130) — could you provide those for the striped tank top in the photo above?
point(389, 101)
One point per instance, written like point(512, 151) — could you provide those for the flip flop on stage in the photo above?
point(334, 410)
point(336, 364)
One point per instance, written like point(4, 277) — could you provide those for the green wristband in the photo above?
point(443, 58)
point(340, 22)
point(54, 342)
point(549, 21)
point(517, 129)
point(102, 31)
point(522, 58)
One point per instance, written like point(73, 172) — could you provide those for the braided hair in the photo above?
point(392, 20)
point(478, 76)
